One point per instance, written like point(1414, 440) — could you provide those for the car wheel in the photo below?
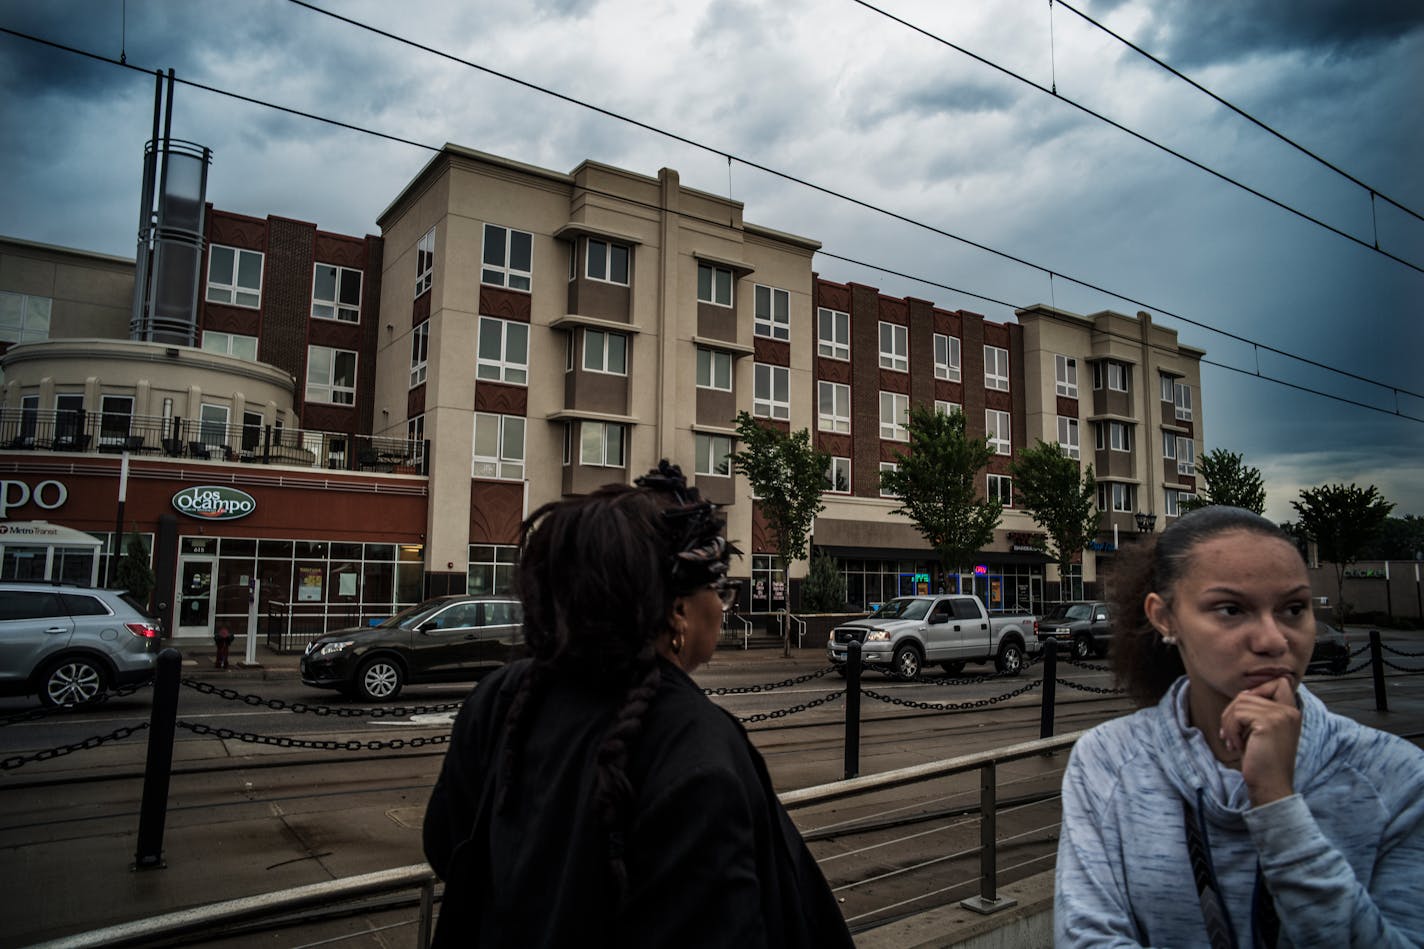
point(907, 662)
point(1082, 648)
point(379, 679)
point(841, 671)
point(74, 681)
point(953, 668)
point(1011, 659)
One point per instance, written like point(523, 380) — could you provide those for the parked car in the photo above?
point(1082, 627)
point(447, 639)
point(69, 644)
point(1332, 648)
point(909, 631)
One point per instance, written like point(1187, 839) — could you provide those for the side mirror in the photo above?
point(427, 626)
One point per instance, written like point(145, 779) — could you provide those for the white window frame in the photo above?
point(894, 416)
point(599, 350)
point(833, 333)
point(601, 444)
point(212, 423)
point(511, 339)
point(713, 293)
point(884, 467)
point(710, 455)
point(1000, 488)
point(419, 353)
point(839, 464)
point(946, 357)
point(1112, 374)
point(1182, 400)
point(507, 461)
point(996, 368)
point(1069, 436)
point(415, 434)
point(894, 347)
point(603, 256)
point(997, 429)
point(501, 271)
point(336, 307)
point(424, 261)
point(832, 407)
point(771, 312)
point(1117, 496)
point(714, 369)
point(1169, 446)
point(1186, 456)
point(1119, 436)
point(24, 318)
point(1165, 386)
point(225, 288)
point(948, 408)
point(1170, 502)
point(1065, 375)
point(116, 414)
point(324, 359)
point(771, 391)
point(237, 345)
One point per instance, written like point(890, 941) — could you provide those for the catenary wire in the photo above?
point(434, 148)
point(1146, 140)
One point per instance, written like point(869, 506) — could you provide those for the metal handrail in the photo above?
point(800, 627)
point(728, 618)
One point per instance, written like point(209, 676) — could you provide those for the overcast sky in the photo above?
point(840, 95)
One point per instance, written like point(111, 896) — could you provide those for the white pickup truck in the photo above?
point(952, 629)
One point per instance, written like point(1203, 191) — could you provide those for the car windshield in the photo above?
point(1071, 611)
point(907, 607)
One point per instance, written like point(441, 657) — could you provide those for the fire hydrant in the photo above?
point(222, 639)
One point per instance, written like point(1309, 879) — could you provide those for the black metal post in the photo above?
point(153, 811)
point(852, 738)
point(1050, 682)
point(988, 834)
point(1377, 667)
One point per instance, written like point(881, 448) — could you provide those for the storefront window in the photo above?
point(491, 569)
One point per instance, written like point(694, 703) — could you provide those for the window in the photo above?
point(771, 396)
point(996, 426)
point(607, 262)
point(601, 444)
point(1182, 396)
point(712, 452)
point(212, 424)
point(834, 400)
point(503, 351)
point(1065, 375)
point(884, 467)
point(24, 318)
point(117, 411)
point(948, 408)
point(230, 344)
point(1110, 374)
point(234, 276)
point(1001, 489)
point(1166, 385)
point(714, 370)
point(773, 313)
point(1116, 496)
point(1186, 457)
point(424, 261)
point(336, 293)
point(833, 333)
point(508, 259)
point(419, 353)
point(1068, 436)
point(894, 416)
point(894, 347)
point(29, 420)
point(568, 442)
point(838, 475)
point(996, 368)
point(415, 434)
point(714, 285)
point(331, 375)
point(605, 352)
point(946, 357)
point(1169, 446)
point(1170, 502)
point(491, 571)
point(1119, 436)
point(251, 431)
point(499, 446)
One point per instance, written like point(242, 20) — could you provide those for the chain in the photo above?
point(34, 715)
point(771, 686)
point(381, 711)
point(1401, 652)
point(228, 734)
point(16, 761)
point(1400, 668)
point(1083, 665)
point(1363, 649)
point(967, 680)
point(1090, 688)
point(953, 706)
point(783, 712)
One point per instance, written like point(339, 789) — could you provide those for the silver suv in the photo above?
point(71, 643)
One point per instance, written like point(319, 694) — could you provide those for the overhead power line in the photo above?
point(1181, 156)
point(657, 207)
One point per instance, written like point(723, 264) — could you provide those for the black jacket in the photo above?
point(712, 857)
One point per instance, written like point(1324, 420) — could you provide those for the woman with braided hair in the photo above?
point(592, 794)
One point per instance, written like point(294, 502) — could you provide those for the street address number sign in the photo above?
point(214, 502)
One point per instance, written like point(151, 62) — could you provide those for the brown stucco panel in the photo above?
point(716, 322)
point(715, 407)
point(496, 509)
point(774, 352)
point(834, 296)
point(415, 401)
point(1068, 407)
point(232, 319)
point(420, 309)
point(833, 370)
point(501, 398)
point(505, 304)
point(835, 443)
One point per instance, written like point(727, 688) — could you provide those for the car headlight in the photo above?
point(878, 636)
point(328, 649)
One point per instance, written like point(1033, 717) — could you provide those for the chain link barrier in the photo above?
point(380, 711)
point(952, 706)
point(783, 712)
point(1398, 668)
point(1089, 688)
point(118, 734)
point(1083, 665)
point(34, 715)
point(770, 686)
point(1399, 652)
point(229, 734)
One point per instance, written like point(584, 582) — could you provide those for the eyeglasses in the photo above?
point(726, 591)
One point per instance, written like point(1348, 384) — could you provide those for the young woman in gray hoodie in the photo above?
point(1233, 809)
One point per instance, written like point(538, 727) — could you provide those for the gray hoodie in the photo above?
point(1343, 857)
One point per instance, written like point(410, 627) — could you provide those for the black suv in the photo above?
point(447, 639)
point(1084, 626)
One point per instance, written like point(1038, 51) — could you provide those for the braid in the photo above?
point(613, 792)
point(515, 725)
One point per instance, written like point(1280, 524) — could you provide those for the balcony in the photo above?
point(179, 438)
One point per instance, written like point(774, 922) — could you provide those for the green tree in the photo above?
point(1401, 538)
point(1061, 499)
point(133, 572)
point(937, 483)
point(787, 474)
point(1341, 520)
point(1228, 480)
point(825, 588)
